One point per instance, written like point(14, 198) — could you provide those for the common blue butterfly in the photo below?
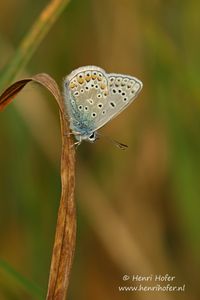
point(93, 97)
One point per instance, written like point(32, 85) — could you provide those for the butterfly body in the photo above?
point(93, 97)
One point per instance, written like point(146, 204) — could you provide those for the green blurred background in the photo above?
point(138, 210)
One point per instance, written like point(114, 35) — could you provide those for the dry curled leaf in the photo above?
point(65, 236)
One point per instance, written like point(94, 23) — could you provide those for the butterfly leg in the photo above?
point(68, 134)
point(76, 144)
point(71, 133)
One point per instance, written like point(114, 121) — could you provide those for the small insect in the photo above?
point(94, 97)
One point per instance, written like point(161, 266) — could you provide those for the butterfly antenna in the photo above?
point(118, 144)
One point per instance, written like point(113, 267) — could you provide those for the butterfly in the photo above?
point(93, 97)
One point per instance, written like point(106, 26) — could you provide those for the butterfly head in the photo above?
point(90, 137)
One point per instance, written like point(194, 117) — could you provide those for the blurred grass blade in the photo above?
point(30, 287)
point(32, 40)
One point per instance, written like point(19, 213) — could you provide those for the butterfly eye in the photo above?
point(92, 137)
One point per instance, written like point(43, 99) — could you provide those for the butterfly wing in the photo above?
point(122, 90)
point(84, 88)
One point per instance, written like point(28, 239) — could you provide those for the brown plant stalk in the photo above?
point(65, 236)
